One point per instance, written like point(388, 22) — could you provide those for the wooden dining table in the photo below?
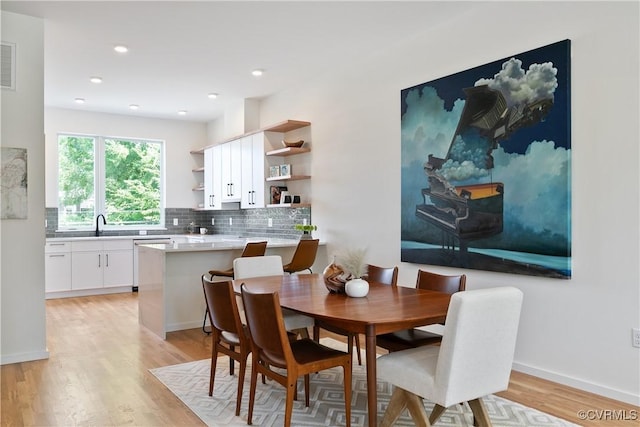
point(385, 309)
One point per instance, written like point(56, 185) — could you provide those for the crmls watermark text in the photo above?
point(608, 415)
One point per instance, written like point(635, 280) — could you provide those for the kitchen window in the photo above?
point(121, 178)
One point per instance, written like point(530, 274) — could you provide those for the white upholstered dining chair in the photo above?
point(473, 360)
point(271, 265)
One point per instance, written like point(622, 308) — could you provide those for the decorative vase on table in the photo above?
point(357, 288)
point(306, 235)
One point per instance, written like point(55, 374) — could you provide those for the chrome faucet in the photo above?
point(104, 222)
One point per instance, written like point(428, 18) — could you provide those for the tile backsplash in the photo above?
point(245, 223)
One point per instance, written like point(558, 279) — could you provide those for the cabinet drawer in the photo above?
point(115, 245)
point(57, 247)
point(86, 245)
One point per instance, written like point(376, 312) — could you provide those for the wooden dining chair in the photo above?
point(410, 338)
point(304, 256)
point(375, 274)
point(384, 275)
point(474, 359)
point(228, 335)
point(271, 347)
point(271, 265)
point(251, 249)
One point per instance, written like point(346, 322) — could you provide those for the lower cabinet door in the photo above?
point(57, 269)
point(86, 270)
point(118, 268)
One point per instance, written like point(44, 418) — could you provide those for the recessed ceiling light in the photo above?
point(79, 100)
point(257, 72)
point(121, 48)
point(182, 112)
point(212, 95)
point(95, 79)
point(134, 106)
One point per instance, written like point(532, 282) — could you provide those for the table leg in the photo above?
point(372, 391)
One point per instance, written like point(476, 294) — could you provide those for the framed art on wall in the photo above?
point(486, 166)
point(13, 191)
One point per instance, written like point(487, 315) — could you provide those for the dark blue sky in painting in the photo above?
point(555, 127)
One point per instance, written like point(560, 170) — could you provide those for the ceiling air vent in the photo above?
point(8, 66)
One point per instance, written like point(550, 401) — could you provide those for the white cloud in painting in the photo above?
point(517, 85)
point(427, 127)
point(536, 186)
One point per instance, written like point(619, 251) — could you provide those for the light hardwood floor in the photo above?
point(97, 374)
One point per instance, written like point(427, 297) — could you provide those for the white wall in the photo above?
point(180, 137)
point(22, 311)
point(576, 332)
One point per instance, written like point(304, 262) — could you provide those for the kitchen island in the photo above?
point(170, 296)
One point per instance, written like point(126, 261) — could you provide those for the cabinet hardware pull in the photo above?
point(57, 244)
point(99, 259)
point(56, 256)
point(107, 256)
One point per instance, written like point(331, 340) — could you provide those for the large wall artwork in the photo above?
point(486, 166)
point(13, 190)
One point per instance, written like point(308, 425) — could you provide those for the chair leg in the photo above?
point(436, 413)
point(357, 337)
point(214, 361)
point(416, 409)
point(252, 388)
point(401, 399)
point(291, 391)
point(204, 321)
point(306, 390)
point(243, 367)
point(231, 362)
point(480, 416)
point(397, 403)
point(347, 392)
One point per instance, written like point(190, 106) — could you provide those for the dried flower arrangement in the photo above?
point(352, 261)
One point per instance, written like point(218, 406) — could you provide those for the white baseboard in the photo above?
point(7, 359)
point(88, 292)
point(598, 389)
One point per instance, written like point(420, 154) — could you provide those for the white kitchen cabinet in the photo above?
point(253, 171)
point(231, 170)
point(101, 263)
point(230, 177)
point(57, 266)
point(213, 178)
point(118, 268)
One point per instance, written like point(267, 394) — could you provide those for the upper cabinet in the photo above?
point(238, 169)
point(212, 180)
point(253, 169)
point(231, 171)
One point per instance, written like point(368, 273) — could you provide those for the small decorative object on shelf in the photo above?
point(353, 264)
point(296, 144)
point(306, 230)
point(276, 193)
point(285, 170)
point(274, 171)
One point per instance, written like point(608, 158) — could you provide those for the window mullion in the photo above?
point(100, 177)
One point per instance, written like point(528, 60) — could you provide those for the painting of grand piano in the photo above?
point(486, 167)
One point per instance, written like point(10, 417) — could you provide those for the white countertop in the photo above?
point(191, 242)
point(130, 237)
point(217, 243)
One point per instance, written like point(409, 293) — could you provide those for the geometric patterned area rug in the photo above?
point(190, 383)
